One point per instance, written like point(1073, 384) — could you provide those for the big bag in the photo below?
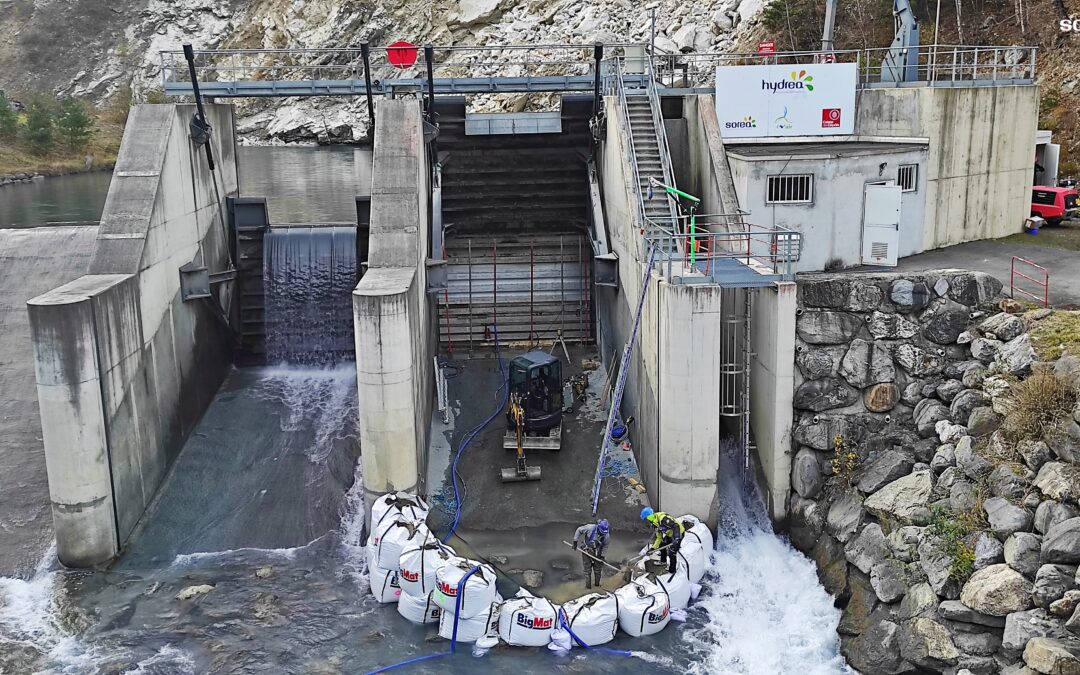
point(393, 536)
point(419, 564)
point(592, 619)
point(477, 594)
point(419, 610)
point(472, 628)
point(405, 504)
point(527, 621)
point(644, 608)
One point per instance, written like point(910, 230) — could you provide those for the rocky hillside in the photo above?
point(937, 471)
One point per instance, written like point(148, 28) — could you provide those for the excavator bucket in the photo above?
point(514, 475)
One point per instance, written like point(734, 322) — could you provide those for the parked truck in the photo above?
point(1055, 204)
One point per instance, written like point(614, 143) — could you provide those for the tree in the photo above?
point(39, 133)
point(9, 120)
point(74, 123)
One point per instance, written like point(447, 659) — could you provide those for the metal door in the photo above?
point(881, 224)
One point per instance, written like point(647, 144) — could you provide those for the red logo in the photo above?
point(830, 118)
point(448, 589)
point(401, 54)
point(410, 576)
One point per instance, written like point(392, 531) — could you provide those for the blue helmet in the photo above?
point(602, 525)
point(646, 512)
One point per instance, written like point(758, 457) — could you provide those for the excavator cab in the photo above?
point(536, 379)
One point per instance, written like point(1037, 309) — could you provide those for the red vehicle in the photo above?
point(1055, 204)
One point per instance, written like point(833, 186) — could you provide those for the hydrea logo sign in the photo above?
point(799, 81)
point(535, 622)
point(657, 617)
point(747, 122)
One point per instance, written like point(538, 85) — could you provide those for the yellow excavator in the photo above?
point(520, 471)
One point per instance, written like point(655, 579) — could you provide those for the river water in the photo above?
point(264, 511)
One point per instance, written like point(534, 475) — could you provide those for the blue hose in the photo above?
point(472, 434)
point(619, 652)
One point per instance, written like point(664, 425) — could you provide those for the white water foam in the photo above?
point(353, 519)
point(166, 661)
point(767, 612)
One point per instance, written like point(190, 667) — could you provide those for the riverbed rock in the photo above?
point(1062, 542)
point(876, 651)
point(1015, 356)
point(814, 363)
point(1020, 627)
point(882, 397)
point(533, 578)
point(988, 551)
point(965, 402)
point(1052, 657)
point(806, 476)
point(1034, 453)
point(867, 549)
point(883, 468)
point(1064, 441)
point(937, 563)
point(827, 328)
point(954, 610)
point(928, 412)
point(944, 457)
point(904, 542)
point(902, 498)
point(832, 567)
point(1022, 553)
point(919, 601)
point(983, 421)
point(947, 326)
point(1059, 481)
point(1050, 513)
point(1003, 326)
point(189, 592)
point(1051, 583)
point(844, 517)
point(867, 363)
point(890, 580)
point(264, 572)
point(862, 601)
point(927, 643)
point(997, 590)
point(1005, 517)
point(891, 326)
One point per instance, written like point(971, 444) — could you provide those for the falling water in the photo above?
point(308, 275)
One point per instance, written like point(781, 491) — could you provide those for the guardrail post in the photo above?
point(365, 54)
point(598, 56)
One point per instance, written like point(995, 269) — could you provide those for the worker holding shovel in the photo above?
point(592, 540)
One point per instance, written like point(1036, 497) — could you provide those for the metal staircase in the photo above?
point(650, 159)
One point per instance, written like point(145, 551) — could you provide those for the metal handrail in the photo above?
point(772, 248)
point(614, 84)
point(661, 130)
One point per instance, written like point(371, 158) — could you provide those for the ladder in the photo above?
point(620, 384)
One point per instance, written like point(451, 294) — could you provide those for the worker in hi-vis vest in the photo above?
point(669, 534)
point(592, 540)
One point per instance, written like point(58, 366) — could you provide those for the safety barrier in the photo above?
point(1035, 269)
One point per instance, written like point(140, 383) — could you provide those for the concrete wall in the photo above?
point(832, 225)
point(711, 177)
point(395, 342)
point(772, 383)
point(980, 164)
point(124, 367)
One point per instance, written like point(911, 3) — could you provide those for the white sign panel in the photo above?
point(786, 100)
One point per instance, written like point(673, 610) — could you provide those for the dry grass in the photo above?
point(1057, 334)
point(1039, 404)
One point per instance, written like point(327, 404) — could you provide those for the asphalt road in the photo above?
point(995, 258)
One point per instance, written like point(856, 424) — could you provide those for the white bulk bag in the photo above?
point(419, 610)
point(393, 536)
point(677, 586)
point(592, 618)
point(644, 608)
point(472, 628)
point(384, 584)
point(398, 503)
point(694, 557)
point(527, 621)
point(476, 596)
point(697, 530)
point(419, 562)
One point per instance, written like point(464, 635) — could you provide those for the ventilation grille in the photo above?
point(879, 250)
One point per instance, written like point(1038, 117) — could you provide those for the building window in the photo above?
point(790, 189)
point(908, 177)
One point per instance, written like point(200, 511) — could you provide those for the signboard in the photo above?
point(786, 100)
point(401, 54)
point(767, 47)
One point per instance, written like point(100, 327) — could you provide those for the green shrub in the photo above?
point(953, 533)
point(39, 133)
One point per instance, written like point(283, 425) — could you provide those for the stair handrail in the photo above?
point(627, 134)
point(661, 134)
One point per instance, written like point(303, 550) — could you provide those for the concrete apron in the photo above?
point(525, 523)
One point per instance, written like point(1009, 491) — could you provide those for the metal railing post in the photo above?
point(365, 54)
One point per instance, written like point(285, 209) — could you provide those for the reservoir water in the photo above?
point(261, 520)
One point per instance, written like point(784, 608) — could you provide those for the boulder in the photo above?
point(973, 377)
point(824, 394)
point(1003, 326)
point(937, 563)
point(988, 551)
point(891, 326)
point(962, 497)
point(855, 619)
point(845, 515)
point(807, 522)
point(1015, 356)
point(1073, 623)
point(473, 12)
point(832, 567)
point(867, 549)
point(946, 326)
point(1008, 480)
point(882, 397)
point(814, 363)
point(920, 600)
point(983, 421)
point(1051, 584)
point(909, 296)
point(1066, 605)
point(954, 610)
point(919, 362)
point(947, 432)
point(1059, 481)
point(806, 476)
point(928, 412)
point(1052, 657)
point(969, 462)
point(1067, 367)
point(684, 37)
point(1034, 453)
point(965, 402)
point(948, 390)
point(997, 590)
point(889, 579)
point(1022, 553)
point(902, 498)
point(867, 363)
point(985, 349)
point(911, 393)
point(904, 542)
point(927, 643)
point(1064, 440)
point(977, 644)
point(876, 651)
point(864, 297)
point(883, 468)
point(1020, 627)
point(1050, 513)
point(973, 289)
point(1062, 542)
point(189, 592)
point(944, 457)
point(827, 328)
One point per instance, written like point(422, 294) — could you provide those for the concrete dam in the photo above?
point(222, 391)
